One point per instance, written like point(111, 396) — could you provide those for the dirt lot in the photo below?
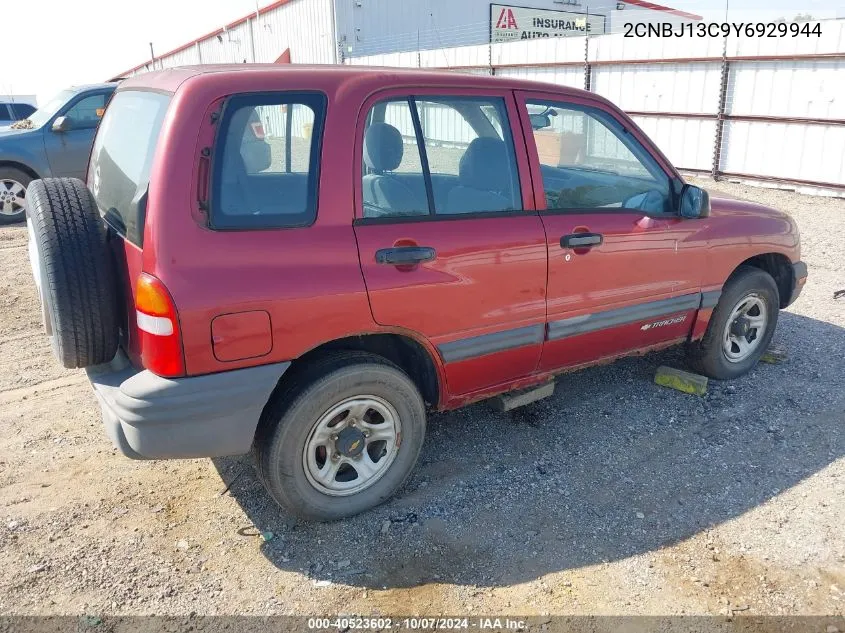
point(615, 496)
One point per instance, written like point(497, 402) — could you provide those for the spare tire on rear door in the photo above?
point(74, 271)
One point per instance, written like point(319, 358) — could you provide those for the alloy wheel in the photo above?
point(745, 328)
point(12, 197)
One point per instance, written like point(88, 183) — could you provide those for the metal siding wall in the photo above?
point(303, 26)
point(561, 76)
point(785, 150)
point(812, 88)
point(186, 57)
point(660, 87)
point(614, 48)
point(379, 26)
point(461, 56)
point(790, 88)
point(688, 143)
point(783, 88)
point(233, 49)
point(832, 40)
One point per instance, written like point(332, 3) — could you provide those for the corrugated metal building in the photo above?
point(331, 31)
point(754, 108)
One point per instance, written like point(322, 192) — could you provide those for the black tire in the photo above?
point(708, 356)
point(78, 291)
point(297, 406)
point(10, 174)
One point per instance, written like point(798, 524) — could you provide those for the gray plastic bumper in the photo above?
point(150, 417)
point(799, 278)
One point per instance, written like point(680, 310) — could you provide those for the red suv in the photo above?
point(303, 260)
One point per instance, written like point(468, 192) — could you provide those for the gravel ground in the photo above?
point(614, 496)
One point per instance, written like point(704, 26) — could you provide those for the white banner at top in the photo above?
point(509, 23)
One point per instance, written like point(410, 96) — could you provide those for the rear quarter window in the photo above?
point(266, 161)
point(119, 173)
point(22, 110)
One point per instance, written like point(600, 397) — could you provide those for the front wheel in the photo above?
point(13, 184)
point(741, 327)
point(341, 437)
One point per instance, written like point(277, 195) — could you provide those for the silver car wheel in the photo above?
point(745, 328)
point(352, 445)
point(12, 197)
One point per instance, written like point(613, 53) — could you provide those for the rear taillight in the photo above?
point(158, 324)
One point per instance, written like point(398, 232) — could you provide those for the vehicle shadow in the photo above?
point(609, 467)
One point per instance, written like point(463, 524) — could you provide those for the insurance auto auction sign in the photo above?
point(509, 23)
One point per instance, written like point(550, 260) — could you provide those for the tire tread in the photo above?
point(79, 271)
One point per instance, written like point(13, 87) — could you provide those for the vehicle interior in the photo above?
point(470, 159)
point(588, 160)
point(265, 171)
point(585, 163)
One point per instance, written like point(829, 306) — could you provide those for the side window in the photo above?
point(21, 110)
point(266, 161)
point(393, 182)
point(588, 160)
point(472, 163)
point(439, 155)
point(5, 115)
point(87, 112)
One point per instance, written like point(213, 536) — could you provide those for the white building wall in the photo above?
point(303, 26)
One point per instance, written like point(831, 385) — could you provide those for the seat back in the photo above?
point(485, 182)
point(383, 192)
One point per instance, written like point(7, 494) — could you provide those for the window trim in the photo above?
point(426, 170)
point(412, 219)
point(524, 182)
point(318, 98)
point(623, 121)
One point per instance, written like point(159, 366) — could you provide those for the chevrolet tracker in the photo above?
point(303, 261)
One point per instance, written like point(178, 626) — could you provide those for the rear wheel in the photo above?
point(741, 327)
point(341, 437)
point(13, 185)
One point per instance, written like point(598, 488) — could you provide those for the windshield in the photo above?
point(45, 112)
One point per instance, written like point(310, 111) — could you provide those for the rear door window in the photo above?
point(119, 173)
point(439, 155)
point(266, 161)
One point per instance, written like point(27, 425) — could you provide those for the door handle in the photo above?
point(581, 240)
point(405, 255)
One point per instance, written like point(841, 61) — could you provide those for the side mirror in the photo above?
point(695, 202)
point(62, 124)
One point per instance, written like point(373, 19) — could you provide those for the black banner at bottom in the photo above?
point(376, 623)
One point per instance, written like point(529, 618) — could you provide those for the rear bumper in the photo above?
point(150, 417)
point(799, 278)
